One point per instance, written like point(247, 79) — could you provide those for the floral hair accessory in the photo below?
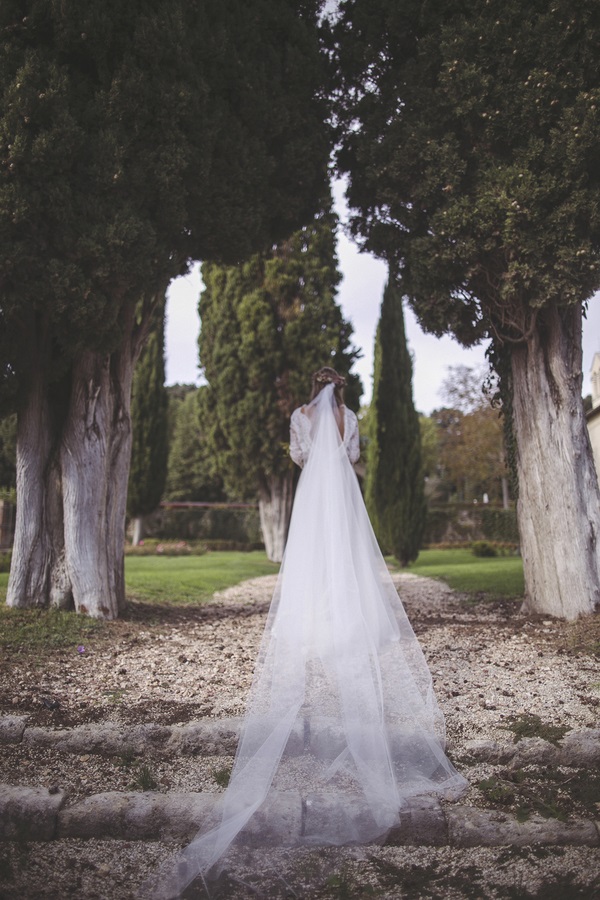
point(325, 378)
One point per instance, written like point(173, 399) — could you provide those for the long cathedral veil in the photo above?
point(342, 706)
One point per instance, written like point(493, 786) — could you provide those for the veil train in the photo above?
point(342, 706)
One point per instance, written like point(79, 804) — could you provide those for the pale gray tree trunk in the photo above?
point(559, 502)
point(95, 454)
point(38, 575)
point(275, 508)
point(73, 454)
point(138, 530)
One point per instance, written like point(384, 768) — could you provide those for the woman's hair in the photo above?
point(327, 375)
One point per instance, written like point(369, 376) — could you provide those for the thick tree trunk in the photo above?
point(559, 501)
point(95, 455)
point(38, 575)
point(275, 507)
point(73, 453)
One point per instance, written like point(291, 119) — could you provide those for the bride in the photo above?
point(342, 708)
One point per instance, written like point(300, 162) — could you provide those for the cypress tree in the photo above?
point(469, 134)
point(267, 325)
point(395, 494)
point(149, 425)
point(189, 471)
point(134, 138)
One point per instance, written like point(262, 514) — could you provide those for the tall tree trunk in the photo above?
point(38, 575)
point(73, 451)
point(275, 507)
point(559, 502)
point(95, 454)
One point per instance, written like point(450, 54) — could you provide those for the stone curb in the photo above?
point(577, 749)
point(28, 814)
point(207, 738)
point(214, 736)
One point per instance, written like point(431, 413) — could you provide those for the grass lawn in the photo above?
point(499, 576)
point(186, 580)
point(191, 579)
point(167, 580)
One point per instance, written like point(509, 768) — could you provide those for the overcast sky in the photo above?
point(360, 297)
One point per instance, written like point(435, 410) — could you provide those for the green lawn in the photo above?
point(167, 580)
point(194, 579)
point(185, 579)
point(191, 579)
point(497, 576)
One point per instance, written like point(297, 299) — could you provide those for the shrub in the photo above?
point(499, 524)
point(483, 548)
point(234, 545)
point(153, 547)
point(5, 561)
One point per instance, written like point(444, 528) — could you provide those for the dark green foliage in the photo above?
point(8, 452)
point(464, 522)
point(189, 475)
point(149, 425)
point(499, 524)
point(395, 486)
point(499, 356)
point(134, 136)
point(267, 325)
point(222, 776)
point(530, 725)
point(473, 156)
point(483, 548)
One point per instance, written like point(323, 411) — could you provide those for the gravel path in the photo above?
point(492, 668)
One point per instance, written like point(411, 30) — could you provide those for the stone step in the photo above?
point(211, 737)
point(35, 814)
point(207, 738)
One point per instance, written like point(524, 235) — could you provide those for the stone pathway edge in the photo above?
point(35, 814)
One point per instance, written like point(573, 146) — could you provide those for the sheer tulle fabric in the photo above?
point(342, 706)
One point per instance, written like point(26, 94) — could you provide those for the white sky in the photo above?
point(360, 296)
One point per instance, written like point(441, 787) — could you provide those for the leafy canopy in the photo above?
point(134, 137)
point(469, 131)
point(267, 325)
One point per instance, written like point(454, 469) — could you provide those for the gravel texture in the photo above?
point(171, 666)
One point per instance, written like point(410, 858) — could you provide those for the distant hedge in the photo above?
point(463, 523)
point(240, 526)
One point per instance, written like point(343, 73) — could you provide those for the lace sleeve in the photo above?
point(295, 441)
point(352, 440)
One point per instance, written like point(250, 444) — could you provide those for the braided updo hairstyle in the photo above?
point(325, 376)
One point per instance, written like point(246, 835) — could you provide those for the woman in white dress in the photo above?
point(341, 717)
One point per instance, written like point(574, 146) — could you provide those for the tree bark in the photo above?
point(95, 455)
point(138, 530)
point(559, 502)
point(38, 575)
point(73, 452)
point(275, 508)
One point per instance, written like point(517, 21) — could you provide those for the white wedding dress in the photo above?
point(342, 707)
